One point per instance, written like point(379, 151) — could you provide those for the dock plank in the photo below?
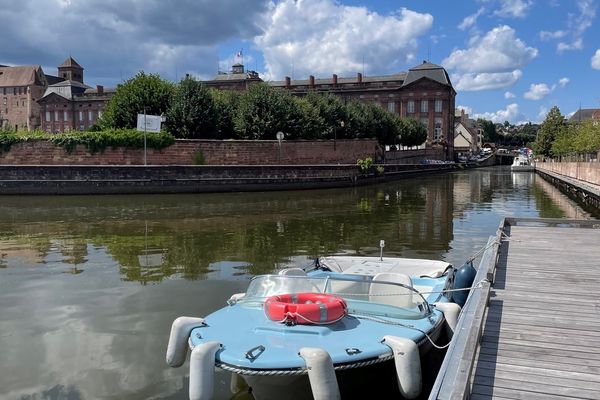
point(541, 334)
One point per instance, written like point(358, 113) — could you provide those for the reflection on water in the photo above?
point(90, 285)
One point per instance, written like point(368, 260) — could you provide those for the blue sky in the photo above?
point(508, 59)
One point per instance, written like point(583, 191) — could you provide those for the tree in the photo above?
point(147, 92)
point(332, 112)
point(550, 129)
point(192, 113)
point(489, 130)
point(226, 103)
point(263, 111)
point(412, 132)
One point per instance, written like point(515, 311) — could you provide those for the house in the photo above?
point(585, 114)
point(467, 134)
point(20, 88)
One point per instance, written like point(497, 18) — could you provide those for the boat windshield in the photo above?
point(362, 294)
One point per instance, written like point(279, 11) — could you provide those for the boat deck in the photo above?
point(534, 333)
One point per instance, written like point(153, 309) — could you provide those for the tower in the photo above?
point(70, 70)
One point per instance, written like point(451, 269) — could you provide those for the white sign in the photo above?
point(148, 123)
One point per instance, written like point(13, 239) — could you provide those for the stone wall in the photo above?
point(186, 152)
point(413, 156)
point(583, 171)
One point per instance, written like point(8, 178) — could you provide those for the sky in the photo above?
point(509, 60)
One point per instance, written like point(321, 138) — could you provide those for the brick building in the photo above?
point(424, 93)
point(71, 104)
point(20, 88)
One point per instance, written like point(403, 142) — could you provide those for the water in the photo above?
point(89, 286)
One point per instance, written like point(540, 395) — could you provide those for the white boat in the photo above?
point(522, 163)
point(317, 332)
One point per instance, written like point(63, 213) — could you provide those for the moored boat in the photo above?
point(301, 333)
point(522, 163)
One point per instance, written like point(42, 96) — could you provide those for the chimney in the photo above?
point(99, 89)
point(359, 77)
point(288, 82)
point(311, 80)
point(334, 80)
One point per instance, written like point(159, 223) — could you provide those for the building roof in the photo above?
point(328, 81)
point(67, 89)
point(70, 62)
point(584, 114)
point(21, 76)
point(430, 71)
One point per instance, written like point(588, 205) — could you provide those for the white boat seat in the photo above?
point(384, 294)
point(293, 272)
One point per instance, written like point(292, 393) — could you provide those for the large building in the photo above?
point(71, 104)
point(424, 93)
point(33, 100)
point(20, 88)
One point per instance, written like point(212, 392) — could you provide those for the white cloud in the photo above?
point(547, 35)
point(485, 81)
point(341, 39)
point(509, 95)
point(510, 113)
point(498, 51)
point(470, 20)
point(514, 8)
point(542, 114)
point(563, 82)
point(491, 62)
point(596, 60)
point(537, 91)
point(577, 24)
point(466, 109)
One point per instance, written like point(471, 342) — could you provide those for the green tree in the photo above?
point(412, 132)
point(489, 130)
point(147, 92)
point(226, 103)
point(332, 112)
point(550, 129)
point(263, 111)
point(192, 113)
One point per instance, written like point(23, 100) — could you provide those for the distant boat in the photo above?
point(522, 163)
point(315, 332)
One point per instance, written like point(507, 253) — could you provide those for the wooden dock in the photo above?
point(532, 329)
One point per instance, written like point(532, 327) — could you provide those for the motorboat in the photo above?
point(315, 332)
point(522, 163)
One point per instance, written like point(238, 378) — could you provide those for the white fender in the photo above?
point(178, 339)
point(408, 365)
point(237, 383)
point(320, 373)
point(451, 312)
point(202, 371)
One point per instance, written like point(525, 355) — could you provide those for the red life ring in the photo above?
point(305, 308)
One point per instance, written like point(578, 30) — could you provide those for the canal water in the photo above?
point(89, 285)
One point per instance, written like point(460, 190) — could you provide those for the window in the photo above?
point(425, 122)
point(5, 101)
point(437, 130)
point(56, 115)
point(424, 106)
point(438, 106)
point(47, 115)
point(65, 116)
point(4, 90)
point(410, 107)
point(391, 106)
point(99, 114)
point(90, 115)
point(80, 115)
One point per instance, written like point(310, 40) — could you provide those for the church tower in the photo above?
point(70, 70)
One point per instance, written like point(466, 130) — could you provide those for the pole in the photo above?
point(145, 137)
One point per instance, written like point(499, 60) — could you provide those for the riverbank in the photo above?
point(132, 179)
point(581, 179)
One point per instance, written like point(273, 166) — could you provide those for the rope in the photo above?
point(300, 371)
point(388, 322)
point(476, 286)
point(484, 248)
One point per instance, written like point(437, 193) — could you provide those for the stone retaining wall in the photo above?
point(583, 171)
point(186, 152)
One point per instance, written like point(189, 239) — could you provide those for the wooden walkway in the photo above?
point(539, 335)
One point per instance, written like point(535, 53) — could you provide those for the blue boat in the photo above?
point(303, 333)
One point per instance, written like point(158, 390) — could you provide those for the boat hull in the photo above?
point(372, 381)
